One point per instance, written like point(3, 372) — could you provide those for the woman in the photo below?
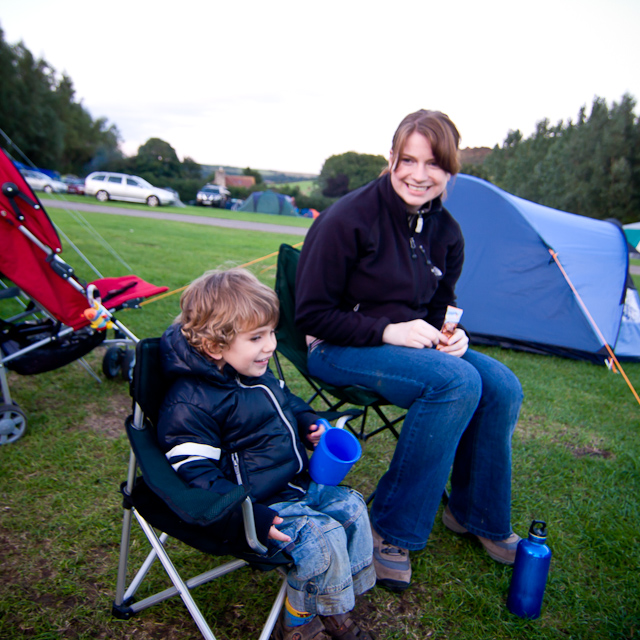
point(377, 272)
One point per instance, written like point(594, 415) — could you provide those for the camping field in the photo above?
point(305, 186)
point(576, 456)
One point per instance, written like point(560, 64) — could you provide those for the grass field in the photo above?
point(305, 186)
point(576, 465)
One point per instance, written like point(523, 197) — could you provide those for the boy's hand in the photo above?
point(274, 534)
point(316, 432)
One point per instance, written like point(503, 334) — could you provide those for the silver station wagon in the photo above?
point(105, 185)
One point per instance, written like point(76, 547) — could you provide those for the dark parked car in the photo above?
point(213, 195)
point(74, 184)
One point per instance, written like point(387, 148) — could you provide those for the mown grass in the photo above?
point(305, 186)
point(576, 452)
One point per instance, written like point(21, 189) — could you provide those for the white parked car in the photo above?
point(42, 182)
point(105, 185)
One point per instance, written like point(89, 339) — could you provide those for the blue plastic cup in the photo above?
point(337, 451)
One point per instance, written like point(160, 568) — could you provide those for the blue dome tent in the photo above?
point(543, 280)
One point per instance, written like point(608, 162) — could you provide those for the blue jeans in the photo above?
point(460, 419)
point(331, 547)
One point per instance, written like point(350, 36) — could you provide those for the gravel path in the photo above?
point(176, 217)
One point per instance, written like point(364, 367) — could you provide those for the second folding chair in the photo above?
point(292, 345)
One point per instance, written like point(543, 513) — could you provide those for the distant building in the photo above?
point(223, 180)
point(240, 181)
point(474, 155)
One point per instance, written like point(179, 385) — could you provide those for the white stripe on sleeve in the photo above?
point(194, 449)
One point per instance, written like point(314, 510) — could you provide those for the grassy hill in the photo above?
point(268, 174)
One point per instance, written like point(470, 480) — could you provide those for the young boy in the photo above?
point(227, 420)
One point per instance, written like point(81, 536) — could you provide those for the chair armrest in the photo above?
point(250, 528)
point(191, 504)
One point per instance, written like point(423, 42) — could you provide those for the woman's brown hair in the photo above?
point(438, 129)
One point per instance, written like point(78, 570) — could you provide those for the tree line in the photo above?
point(40, 114)
point(590, 166)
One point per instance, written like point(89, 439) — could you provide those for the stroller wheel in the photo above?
point(112, 362)
point(128, 362)
point(13, 423)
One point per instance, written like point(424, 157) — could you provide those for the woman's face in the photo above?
point(417, 178)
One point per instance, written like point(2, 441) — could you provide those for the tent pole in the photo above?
point(554, 255)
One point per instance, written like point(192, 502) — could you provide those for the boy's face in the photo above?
point(249, 351)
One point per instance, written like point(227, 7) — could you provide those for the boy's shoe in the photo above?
point(344, 627)
point(392, 564)
point(503, 551)
point(313, 630)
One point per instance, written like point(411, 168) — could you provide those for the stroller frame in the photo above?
point(68, 317)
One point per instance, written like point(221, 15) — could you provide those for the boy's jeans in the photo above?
point(461, 414)
point(331, 547)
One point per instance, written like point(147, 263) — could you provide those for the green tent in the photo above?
point(269, 202)
point(632, 231)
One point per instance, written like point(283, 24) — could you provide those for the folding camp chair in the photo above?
point(159, 499)
point(292, 345)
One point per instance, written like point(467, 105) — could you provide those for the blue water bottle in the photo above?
point(530, 572)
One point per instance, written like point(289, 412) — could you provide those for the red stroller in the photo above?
point(61, 318)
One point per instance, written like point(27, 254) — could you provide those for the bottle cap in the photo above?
point(538, 529)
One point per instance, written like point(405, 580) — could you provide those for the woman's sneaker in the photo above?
point(503, 551)
point(392, 564)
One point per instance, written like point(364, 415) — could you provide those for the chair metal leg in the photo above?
point(175, 578)
point(125, 537)
point(275, 612)
point(144, 570)
point(124, 558)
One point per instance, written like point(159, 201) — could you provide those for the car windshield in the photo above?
point(210, 189)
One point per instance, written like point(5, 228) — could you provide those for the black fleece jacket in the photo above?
point(208, 415)
point(365, 264)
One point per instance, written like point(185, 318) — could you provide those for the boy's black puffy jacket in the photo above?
point(217, 413)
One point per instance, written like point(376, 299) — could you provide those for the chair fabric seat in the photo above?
point(292, 345)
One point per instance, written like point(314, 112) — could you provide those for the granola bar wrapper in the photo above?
point(451, 320)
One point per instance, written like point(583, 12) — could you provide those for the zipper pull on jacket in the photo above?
point(412, 244)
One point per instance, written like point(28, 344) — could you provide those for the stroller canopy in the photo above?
point(29, 245)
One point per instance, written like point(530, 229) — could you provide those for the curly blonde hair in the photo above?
point(220, 304)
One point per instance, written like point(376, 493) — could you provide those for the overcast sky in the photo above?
point(283, 85)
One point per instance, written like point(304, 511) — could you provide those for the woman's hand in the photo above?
point(274, 534)
point(456, 345)
point(316, 431)
point(417, 334)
